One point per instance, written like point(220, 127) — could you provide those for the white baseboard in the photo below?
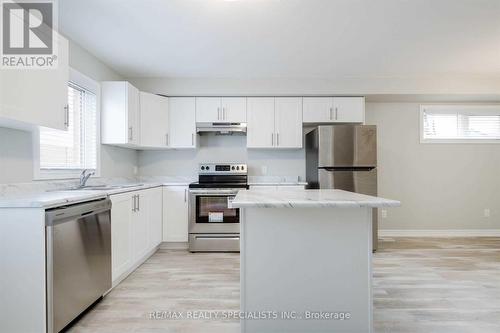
point(174, 246)
point(439, 233)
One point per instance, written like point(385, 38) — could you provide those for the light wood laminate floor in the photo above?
point(420, 285)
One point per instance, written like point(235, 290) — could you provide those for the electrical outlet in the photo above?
point(486, 212)
point(383, 212)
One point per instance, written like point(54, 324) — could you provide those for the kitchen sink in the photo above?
point(95, 187)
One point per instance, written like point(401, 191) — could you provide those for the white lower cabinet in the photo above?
point(122, 214)
point(175, 214)
point(136, 229)
point(154, 199)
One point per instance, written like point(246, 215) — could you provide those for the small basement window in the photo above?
point(460, 123)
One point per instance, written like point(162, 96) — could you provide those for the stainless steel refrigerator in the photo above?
point(344, 157)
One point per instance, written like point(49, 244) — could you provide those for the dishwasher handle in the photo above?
point(67, 213)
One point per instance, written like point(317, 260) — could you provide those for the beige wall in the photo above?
point(16, 149)
point(441, 186)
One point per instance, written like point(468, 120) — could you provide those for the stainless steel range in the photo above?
point(213, 226)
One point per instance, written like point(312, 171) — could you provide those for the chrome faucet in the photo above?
point(86, 173)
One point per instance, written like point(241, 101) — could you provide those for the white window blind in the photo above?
point(75, 148)
point(460, 123)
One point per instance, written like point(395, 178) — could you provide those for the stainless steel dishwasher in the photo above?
point(78, 259)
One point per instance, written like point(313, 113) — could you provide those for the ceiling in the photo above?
point(288, 38)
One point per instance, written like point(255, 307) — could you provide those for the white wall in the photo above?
point(441, 186)
point(214, 148)
point(16, 151)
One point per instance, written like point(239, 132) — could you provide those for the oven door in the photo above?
point(209, 212)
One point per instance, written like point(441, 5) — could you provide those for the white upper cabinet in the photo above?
point(120, 113)
point(274, 122)
point(208, 109)
point(221, 109)
point(182, 122)
point(260, 126)
point(334, 109)
point(154, 120)
point(318, 109)
point(234, 109)
point(288, 122)
point(349, 109)
point(36, 96)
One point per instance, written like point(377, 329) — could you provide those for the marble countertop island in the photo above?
point(307, 253)
point(308, 199)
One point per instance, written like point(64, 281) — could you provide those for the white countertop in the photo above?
point(63, 197)
point(308, 199)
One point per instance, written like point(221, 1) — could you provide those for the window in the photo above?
point(460, 124)
point(64, 154)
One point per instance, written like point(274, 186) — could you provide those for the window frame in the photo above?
point(44, 174)
point(451, 107)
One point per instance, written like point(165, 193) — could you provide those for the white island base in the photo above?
point(308, 265)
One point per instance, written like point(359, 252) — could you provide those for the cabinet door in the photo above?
point(208, 109)
point(175, 214)
point(318, 109)
point(121, 233)
point(234, 109)
point(133, 114)
point(155, 209)
point(288, 122)
point(349, 109)
point(154, 120)
point(37, 96)
point(260, 122)
point(182, 132)
point(140, 231)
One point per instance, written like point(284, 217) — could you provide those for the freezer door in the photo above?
point(347, 145)
point(364, 182)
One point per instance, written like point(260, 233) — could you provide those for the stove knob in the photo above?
point(232, 168)
point(242, 167)
point(202, 167)
point(237, 168)
point(207, 167)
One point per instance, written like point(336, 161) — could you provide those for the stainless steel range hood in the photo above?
point(221, 128)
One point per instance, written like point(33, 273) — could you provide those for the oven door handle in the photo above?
point(211, 192)
point(218, 237)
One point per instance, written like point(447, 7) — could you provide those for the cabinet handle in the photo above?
point(192, 139)
point(336, 113)
point(272, 139)
point(331, 113)
point(185, 195)
point(133, 203)
point(166, 139)
point(138, 202)
point(277, 139)
point(130, 133)
point(66, 116)
point(224, 113)
point(218, 113)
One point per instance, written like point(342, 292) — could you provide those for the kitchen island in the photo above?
point(306, 260)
